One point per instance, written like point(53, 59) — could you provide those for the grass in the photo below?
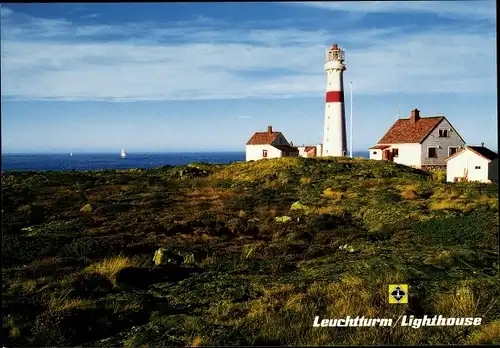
point(266, 246)
point(110, 267)
point(488, 334)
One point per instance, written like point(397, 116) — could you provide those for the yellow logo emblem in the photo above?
point(398, 293)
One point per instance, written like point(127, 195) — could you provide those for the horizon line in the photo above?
point(128, 152)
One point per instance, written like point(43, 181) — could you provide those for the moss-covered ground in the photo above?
point(266, 245)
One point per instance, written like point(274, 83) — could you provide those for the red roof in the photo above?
point(403, 132)
point(263, 138)
point(379, 147)
point(309, 148)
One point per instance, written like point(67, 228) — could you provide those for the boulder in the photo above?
point(283, 219)
point(87, 208)
point(166, 257)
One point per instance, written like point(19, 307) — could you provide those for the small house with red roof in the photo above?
point(309, 151)
point(270, 144)
point(473, 163)
point(420, 142)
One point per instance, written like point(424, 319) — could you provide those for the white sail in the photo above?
point(123, 153)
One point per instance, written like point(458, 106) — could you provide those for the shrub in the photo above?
point(438, 176)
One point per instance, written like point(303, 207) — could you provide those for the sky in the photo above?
point(161, 77)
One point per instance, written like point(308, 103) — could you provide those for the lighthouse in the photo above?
point(334, 134)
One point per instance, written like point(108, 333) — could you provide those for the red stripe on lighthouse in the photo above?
point(334, 97)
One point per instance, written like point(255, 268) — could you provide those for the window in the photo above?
point(374, 152)
point(443, 133)
point(264, 153)
point(395, 152)
point(432, 152)
point(452, 150)
point(478, 167)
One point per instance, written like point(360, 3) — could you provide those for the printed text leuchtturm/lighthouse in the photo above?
point(409, 321)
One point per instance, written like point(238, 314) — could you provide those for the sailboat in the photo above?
point(123, 155)
point(71, 154)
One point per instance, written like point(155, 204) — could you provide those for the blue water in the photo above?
point(65, 162)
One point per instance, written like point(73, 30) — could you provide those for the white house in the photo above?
point(309, 151)
point(473, 163)
point(420, 142)
point(269, 144)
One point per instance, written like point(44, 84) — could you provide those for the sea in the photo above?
point(99, 161)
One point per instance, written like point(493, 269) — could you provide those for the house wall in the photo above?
point(493, 170)
point(409, 154)
point(302, 151)
point(376, 154)
point(467, 160)
point(319, 150)
point(254, 152)
point(443, 144)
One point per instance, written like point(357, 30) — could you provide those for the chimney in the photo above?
point(482, 144)
point(270, 129)
point(414, 116)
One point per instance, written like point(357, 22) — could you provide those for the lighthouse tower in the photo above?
point(334, 134)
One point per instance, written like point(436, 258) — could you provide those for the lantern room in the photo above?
point(335, 54)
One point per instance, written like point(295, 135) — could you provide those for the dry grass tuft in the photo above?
point(196, 342)
point(70, 304)
point(443, 257)
point(462, 303)
point(335, 210)
point(409, 194)
point(447, 204)
point(305, 180)
point(350, 194)
point(329, 193)
point(110, 267)
point(487, 334)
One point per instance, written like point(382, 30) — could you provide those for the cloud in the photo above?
point(243, 117)
point(206, 59)
point(481, 10)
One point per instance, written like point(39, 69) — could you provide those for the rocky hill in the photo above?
point(253, 252)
